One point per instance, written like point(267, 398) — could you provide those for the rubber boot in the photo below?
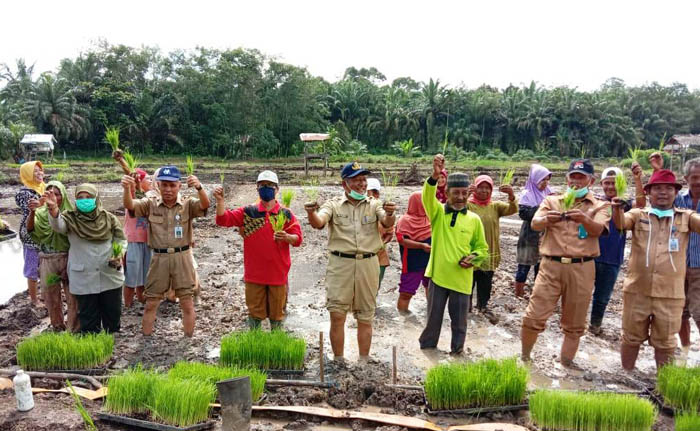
point(684, 333)
point(519, 289)
point(528, 338)
point(568, 350)
point(254, 323)
point(628, 356)
point(275, 324)
point(663, 357)
point(404, 301)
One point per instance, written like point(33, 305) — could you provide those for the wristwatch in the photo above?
point(198, 188)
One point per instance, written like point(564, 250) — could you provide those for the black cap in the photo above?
point(353, 169)
point(583, 166)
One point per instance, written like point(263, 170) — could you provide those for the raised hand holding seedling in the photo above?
point(507, 189)
point(128, 182)
point(218, 193)
point(34, 204)
point(193, 181)
point(656, 161)
point(390, 208)
point(438, 165)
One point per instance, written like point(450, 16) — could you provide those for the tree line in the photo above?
point(241, 103)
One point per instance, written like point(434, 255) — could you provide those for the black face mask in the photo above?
point(266, 193)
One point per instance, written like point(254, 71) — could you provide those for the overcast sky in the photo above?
point(577, 43)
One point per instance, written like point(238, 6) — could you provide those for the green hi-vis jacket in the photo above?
point(455, 234)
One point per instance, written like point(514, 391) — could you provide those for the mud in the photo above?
point(221, 309)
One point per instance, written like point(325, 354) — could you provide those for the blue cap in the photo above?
point(168, 173)
point(353, 169)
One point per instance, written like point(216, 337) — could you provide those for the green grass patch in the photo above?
point(274, 350)
point(64, 351)
point(132, 391)
point(213, 373)
point(578, 411)
point(687, 422)
point(680, 387)
point(486, 383)
point(182, 402)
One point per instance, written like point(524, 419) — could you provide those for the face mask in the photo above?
point(86, 205)
point(661, 213)
point(579, 193)
point(266, 193)
point(357, 196)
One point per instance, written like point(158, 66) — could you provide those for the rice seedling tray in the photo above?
point(143, 424)
point(7, 234)
point(84, 372)
point(286, 372)
point(475, 410)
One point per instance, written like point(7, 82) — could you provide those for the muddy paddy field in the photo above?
point(360, 387)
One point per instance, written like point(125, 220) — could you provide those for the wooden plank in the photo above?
point(82, 392)
point(488, 427)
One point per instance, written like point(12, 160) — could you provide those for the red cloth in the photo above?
point(441, 192)
point(414, 224)
point(265, 261)
point(472, 197)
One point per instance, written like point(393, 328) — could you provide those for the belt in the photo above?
point(171, 250)
point(353, 256)
point(562, 259)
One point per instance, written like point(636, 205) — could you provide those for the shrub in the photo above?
point(577, 411)
point(489, 382)
point(131, 391)
point(213, 374)
point(182, 402)
point(687, 422)
point(680, 387)
point(272, 350)
point(64, 351)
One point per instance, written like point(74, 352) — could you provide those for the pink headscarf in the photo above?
point(415, 223)
point(481, 179)
point(441, 192)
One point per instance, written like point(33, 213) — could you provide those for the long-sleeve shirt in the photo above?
point(455, 235)
point(22, 198)
point(88, 269)
point(490, 215)
point(265, 261)
point(685, 200)
point(651, 242)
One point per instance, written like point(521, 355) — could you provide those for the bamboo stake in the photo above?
point(393, 365)
point(320, 358)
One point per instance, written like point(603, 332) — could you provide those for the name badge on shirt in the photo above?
point(178, 232)
point(582, 234)
point(673, 245)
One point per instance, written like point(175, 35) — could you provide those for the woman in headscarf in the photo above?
point(441, 191)
point(480, 203)
point(32, 176)
point(53, 257)
point(528, 254)
point(94, 272)
point(413, 235)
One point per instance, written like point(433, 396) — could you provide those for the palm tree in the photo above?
point(430, 102)
point(52, 106)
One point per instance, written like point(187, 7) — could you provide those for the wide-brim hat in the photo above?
point(662, 176)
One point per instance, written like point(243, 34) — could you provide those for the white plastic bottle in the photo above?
point(23, 391)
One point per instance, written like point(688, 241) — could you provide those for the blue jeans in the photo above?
point(523, 271)
point(605, 278)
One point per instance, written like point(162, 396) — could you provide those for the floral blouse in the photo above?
point(22, 198)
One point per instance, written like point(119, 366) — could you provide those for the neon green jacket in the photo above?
point(450, 243)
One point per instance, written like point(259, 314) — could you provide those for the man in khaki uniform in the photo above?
point(654, 286)
point(170, 219)
point(569, 245)
point(352, 274)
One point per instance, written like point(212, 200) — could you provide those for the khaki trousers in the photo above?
point(265, 301)
point(56, 263)
point(573, 283)
point(352, 285)
point(655, 319)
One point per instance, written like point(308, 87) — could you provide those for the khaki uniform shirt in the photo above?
point(562, 238)
point(658, 279)
point(163, 221)
point(353, 228)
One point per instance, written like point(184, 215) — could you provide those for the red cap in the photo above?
point(662, 176)
point(142, 174)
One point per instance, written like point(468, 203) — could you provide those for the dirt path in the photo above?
point(222, 310)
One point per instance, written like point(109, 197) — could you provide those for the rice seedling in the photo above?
point(287, 197)
point(579, 411)
point(569, 199)
point(312, 189)
point(277, 221)
point(486, 383)
point(274, 350)
point(132, 391)
point(117, 250)
point(64, 351)
point(53, 279)
point(112, 137)
point(507, 177)
point(60, 176)
point(687, 422)
point(213, 373)
point(390, 182)
point(189, 166)
point(680, 387)
point(634, 152)
point(621, 185)
point(222, 177)
point(662, 144)
point(182, 402)
point(87, 420)
point(131, 161)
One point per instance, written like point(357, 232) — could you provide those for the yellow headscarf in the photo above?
point(26, 175)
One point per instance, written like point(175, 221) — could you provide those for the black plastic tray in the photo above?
point(7, 234)
point(475, 410)
point(151, 425)
point(285, 372)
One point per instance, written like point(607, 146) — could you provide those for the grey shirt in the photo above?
point(88, 269)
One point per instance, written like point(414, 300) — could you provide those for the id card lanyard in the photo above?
point(178, 226)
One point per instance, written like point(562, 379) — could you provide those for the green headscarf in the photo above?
point(97, 225)
point(42, 233)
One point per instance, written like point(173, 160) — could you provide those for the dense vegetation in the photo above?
point(242, 103)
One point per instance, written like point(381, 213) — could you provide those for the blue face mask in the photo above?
point(357, 196)
point(266, 193)
point(87, 205)
point(579, 193)
point(661, 213)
